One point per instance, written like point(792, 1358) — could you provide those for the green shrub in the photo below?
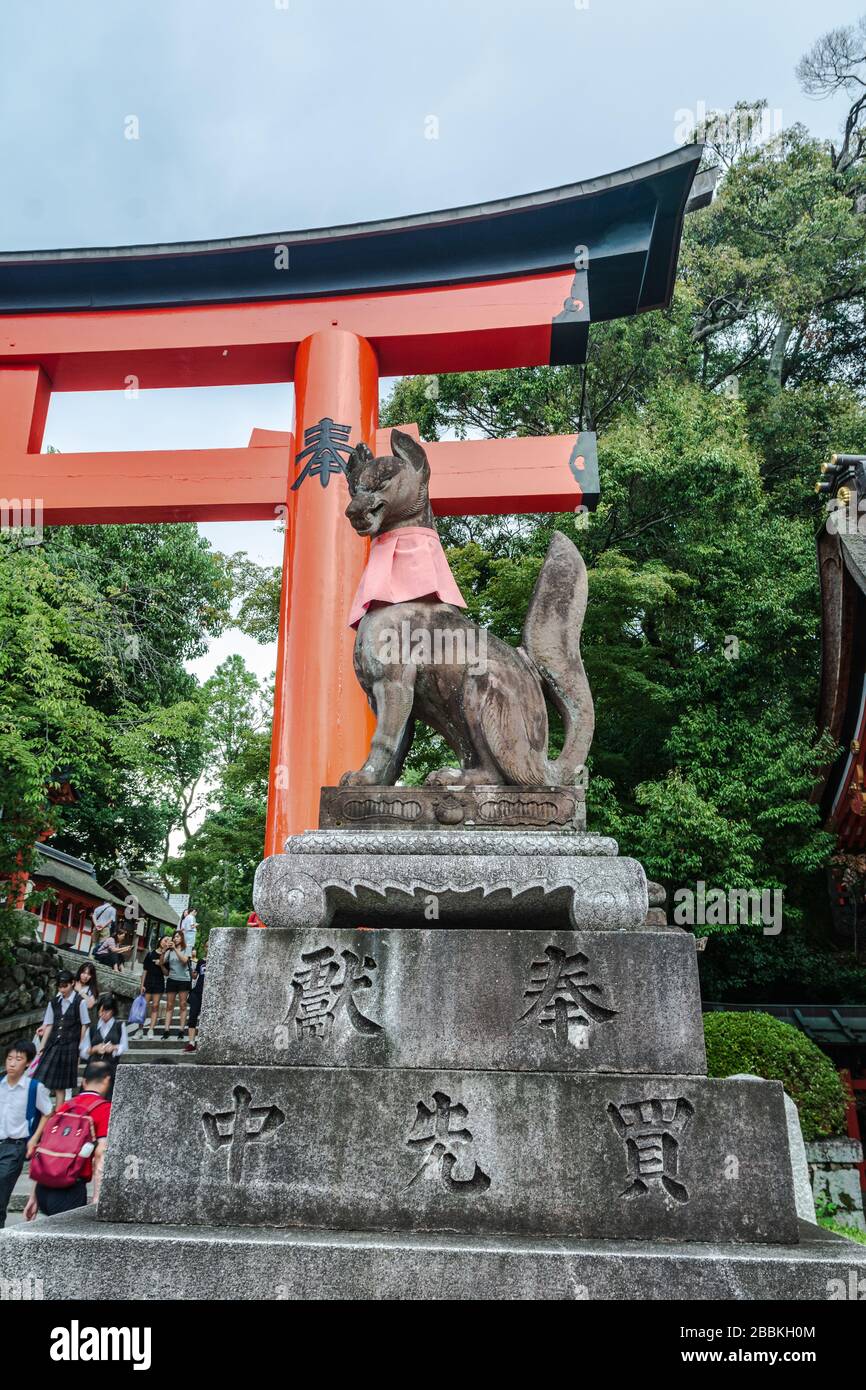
point(764, 1046)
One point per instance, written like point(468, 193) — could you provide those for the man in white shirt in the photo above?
point(24, 1108)
point(104, 916)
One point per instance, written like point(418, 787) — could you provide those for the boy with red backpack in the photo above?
point(72, 1148)
point(24, 1107)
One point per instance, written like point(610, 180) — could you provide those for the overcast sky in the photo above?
point(257, 116)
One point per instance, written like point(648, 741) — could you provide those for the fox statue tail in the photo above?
point(551, 641)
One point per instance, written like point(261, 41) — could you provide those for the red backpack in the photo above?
point(59, 1160)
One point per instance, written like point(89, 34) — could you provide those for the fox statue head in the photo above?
point(391, 491)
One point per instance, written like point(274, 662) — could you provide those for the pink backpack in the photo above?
point(59, 1161)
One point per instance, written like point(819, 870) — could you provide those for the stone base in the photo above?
point(478, 878)
point(447, 808)
point(524, 1153)
point(77, 1257)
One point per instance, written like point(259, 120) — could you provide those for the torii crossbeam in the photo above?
point(507, 284)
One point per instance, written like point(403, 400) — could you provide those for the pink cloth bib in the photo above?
point(405, 564)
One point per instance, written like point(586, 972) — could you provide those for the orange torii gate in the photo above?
point(506, 284)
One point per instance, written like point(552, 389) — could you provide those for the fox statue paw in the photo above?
point(364, 777)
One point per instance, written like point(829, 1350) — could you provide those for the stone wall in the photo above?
point(27, 982)
point(124, 986)
point(833, 1167)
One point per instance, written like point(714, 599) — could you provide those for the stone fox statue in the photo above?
point(418, 656)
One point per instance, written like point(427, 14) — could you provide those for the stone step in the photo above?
point(619, 1157)
point(156, 1054)
point(446, 997)
point(74, 1256)
point(157, 1041)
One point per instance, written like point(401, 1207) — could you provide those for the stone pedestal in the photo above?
point(385, 1105)
point(469, 878)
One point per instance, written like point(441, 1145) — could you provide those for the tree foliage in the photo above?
point(756, 1044)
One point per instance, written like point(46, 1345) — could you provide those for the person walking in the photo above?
point(24, 1108)
point(177, 983)
point(106, 1038)
point(72, 1150)
point(60, 1035)
point(195, 998)
point(103, 919)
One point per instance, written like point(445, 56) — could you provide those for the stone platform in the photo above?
point(77, 1257)
point(509, 1102)
point(468, 877)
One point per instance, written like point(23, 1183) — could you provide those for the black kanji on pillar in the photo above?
point(323, 445)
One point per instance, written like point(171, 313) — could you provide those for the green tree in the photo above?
point(96, 625)
point(217, 862)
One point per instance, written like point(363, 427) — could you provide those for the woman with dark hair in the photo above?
point(195, 998)
point(177, 983)
point(86, 985)
point(153, 981)
point(112, 950)
point(62, 1032)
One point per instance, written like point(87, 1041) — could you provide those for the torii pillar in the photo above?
point(321, 727)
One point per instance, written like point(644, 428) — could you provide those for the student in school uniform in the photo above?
point(24, 1107)
point(106, 1039)
point(86, 985)
point(61, 1034)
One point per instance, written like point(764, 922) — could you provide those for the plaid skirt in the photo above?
point(58, 1068)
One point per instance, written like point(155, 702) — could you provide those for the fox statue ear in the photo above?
point(359, 457)
point(408, 450)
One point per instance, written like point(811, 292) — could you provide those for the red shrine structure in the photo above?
point(842, 570)
point(513, 283)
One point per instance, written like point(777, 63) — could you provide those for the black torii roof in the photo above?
point(630, 222)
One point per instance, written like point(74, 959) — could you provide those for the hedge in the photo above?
point(765, 1046)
